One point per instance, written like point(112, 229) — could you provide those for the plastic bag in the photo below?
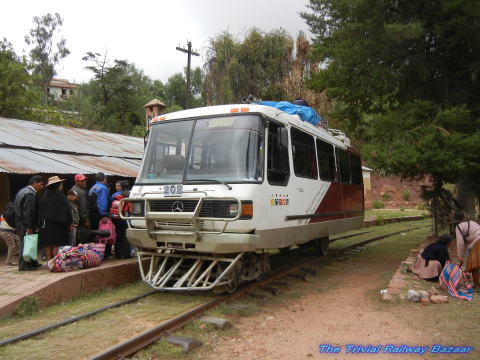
point(30, 247)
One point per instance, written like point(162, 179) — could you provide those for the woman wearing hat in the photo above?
point(468, 236)
point(55, 217)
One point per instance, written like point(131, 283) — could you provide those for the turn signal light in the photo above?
point(247, 209)
point(154, 120)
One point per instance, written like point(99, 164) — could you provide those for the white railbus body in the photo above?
point(221, 185)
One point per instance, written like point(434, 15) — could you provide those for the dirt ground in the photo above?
point(341, 308)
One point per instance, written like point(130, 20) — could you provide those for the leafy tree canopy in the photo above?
point(255, 65)
point(17, 97)
point(404, 76)
point(45, 55)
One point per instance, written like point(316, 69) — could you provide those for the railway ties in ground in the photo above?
point(270, 285)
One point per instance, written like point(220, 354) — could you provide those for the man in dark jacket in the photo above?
point(99, 209)
point(80, 188)
point(26, 216)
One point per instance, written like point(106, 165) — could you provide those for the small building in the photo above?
point(61, 89)
point(367, 186)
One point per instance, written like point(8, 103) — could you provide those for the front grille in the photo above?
point(217, 208)
point(167, 205)
point(187, 224)
point(179, 225)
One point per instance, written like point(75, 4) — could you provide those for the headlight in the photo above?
point(233, 209)
point(137, 208)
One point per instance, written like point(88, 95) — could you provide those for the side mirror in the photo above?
point(145, 139)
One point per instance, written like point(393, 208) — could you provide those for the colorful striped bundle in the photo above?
point(450, 279)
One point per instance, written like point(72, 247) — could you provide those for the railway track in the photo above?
point(148, 337)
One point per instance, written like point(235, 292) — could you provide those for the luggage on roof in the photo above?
point(306, 113)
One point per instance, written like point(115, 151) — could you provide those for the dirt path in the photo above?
point(346, 312)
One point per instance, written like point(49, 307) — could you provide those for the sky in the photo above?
point(146, 32)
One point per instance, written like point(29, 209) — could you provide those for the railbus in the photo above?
point(220, 186)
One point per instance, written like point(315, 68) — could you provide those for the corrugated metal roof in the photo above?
point(24, 161)
point(29, 134)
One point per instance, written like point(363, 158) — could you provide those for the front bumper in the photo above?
point(214, 243)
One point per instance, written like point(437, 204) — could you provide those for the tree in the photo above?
point(175, 90)
point(256, 65)
point(270, 66)
point(115, 97)
point(17, 95)
point(404, 77)
point(158, 90)
point(197, 92)
point(45, 55)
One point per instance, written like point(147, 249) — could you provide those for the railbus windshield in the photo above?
point(227, 149)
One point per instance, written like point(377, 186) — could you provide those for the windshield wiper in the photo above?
point(212, 180)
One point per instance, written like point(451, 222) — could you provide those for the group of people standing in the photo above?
point(64, 220)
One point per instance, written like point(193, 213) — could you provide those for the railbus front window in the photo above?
point(164, 160)
point(228, 149)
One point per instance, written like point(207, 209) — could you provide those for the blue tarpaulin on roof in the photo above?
point(306, 113)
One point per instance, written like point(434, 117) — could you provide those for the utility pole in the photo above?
point(190, 53)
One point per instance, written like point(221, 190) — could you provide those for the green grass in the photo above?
point(99, 332)
point(392, 213)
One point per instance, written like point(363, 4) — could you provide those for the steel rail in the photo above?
point(72, 319)
point(148, 337)
point(349, 236)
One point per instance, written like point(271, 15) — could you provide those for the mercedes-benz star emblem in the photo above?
point(177, 206)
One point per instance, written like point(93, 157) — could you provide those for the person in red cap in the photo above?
point(80, 188)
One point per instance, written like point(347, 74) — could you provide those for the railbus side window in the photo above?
point(278, 166)
point(356, 169)
point(326, 161)
point(344, 166)
point(304, 157)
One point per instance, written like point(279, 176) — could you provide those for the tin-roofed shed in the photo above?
point(28, 148)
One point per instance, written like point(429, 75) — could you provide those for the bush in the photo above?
point(28, 306)
point(406, 195)
point(422, 207)
point(402, 208)
point(378, 204)
point(386, 196)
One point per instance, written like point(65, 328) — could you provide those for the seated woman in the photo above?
point(431, 261)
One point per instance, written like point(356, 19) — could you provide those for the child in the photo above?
point(72, 197)
point(7, 233)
